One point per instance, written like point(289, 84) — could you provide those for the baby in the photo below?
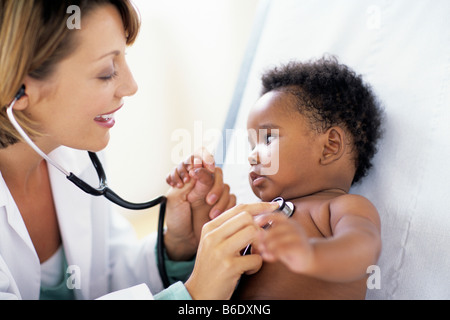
point(318, 124)
point(313, 133)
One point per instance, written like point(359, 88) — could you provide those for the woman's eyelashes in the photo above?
point(109, 77)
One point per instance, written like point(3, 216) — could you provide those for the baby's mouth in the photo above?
point(256, 179)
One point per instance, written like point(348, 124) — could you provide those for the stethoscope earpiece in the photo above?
point(20, 93)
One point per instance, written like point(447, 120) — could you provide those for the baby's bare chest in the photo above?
point(314, 217)
point(276, 281)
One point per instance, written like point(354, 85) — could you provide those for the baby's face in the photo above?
point(284, 156)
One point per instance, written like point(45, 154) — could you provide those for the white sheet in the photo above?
point(402, 48)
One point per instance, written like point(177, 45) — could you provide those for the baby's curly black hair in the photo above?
point(331, 94)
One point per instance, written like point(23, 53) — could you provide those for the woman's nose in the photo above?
point(128, 87)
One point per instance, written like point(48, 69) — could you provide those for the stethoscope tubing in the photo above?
point(287, 208)
point(103, 189)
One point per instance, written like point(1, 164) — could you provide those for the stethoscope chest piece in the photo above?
point(286, 207)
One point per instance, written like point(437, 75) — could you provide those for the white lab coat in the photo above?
point(97, 241)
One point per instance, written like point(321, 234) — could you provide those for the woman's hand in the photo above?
point(179, 237)
point(219, 264)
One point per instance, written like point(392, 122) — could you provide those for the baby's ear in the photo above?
point(333, 145)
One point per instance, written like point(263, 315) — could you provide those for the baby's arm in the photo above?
point(355, 244)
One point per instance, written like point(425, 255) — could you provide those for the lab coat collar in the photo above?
point(13, 215)
point(23, 246)
point(74, 213)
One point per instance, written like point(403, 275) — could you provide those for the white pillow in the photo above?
point(402, 48)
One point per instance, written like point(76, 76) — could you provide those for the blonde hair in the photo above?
point(34, 37)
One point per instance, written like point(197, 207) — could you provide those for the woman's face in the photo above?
point(75, 107)
point(285, 153)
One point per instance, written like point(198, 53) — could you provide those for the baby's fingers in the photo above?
point(277, 238)
point(179, 176)
point(201, 158)
point(174, 180)
point(183, 172)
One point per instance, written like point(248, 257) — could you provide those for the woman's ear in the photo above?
point(32, 94)
point(22, 99)
point(333, 145)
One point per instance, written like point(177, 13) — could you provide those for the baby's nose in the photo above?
point(253, 157)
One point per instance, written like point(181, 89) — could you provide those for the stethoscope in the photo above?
point(103, 189)
point(287, 208)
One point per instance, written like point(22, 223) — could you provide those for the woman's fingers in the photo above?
point(253, 209)
point(251, 263)
point(236, 224)
point(217, 189)
point(246, 232)
point(231, 203)
point(219, 265)
point(225, 202)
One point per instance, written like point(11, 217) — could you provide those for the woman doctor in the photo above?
point(57, 242)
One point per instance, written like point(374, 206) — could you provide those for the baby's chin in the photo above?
point(264, 195)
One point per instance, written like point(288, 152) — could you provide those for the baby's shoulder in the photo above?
point(353, 204)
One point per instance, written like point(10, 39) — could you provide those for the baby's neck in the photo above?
point(326, 193)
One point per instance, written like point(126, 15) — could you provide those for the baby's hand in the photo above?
point(180, 175)
point(209, 188)
point(285, 241)
point(203, 183)
point(201, 166)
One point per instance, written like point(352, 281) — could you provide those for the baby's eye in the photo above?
point(269, 138)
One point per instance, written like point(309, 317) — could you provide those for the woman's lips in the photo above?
point(106, 120)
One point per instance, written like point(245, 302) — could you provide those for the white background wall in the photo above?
point(186, 62)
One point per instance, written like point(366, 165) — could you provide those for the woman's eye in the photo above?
point(109, 77)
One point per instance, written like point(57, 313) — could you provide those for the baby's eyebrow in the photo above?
point(265, 127)
point(269, 126)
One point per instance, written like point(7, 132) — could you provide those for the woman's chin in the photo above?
point(93, 146)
